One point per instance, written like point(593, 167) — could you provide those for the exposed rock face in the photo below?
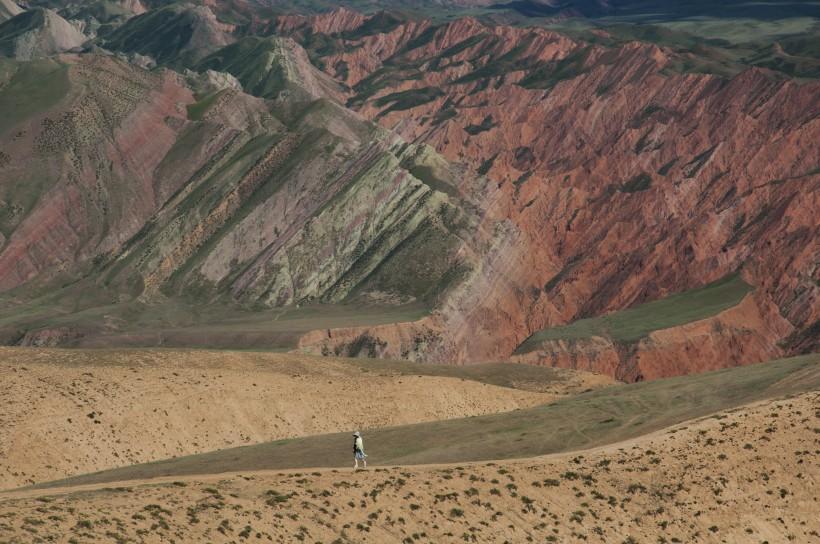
point(594, 178)
point(177, 34)
point(746, 334)
point(9, 9)
point(623, 178)
point(332, 22)
point(97, 151)
point(93, 16)
point(133, 6)
point(210, 81)
point(271, 203)
point(268, 66)
point(38, 33)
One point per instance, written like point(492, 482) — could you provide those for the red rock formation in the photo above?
point(74, 220)
point(337, 20)
point(603, 177)
point(745, 334)
point(622, 178)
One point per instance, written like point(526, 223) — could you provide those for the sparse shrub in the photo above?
point(275, 498)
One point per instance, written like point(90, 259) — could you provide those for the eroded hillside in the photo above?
point(628, 171)
point(508, 180)
point(153, 192)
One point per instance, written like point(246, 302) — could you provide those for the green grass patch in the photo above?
point(429, 176)
point(487, 165)
point(258, 63)
point(510, 375)
point(32, 88)
point(550, 74)
point(177, 323)
point(14, 28)
point(197, 110)
point(667, 167)
point(163, 34)
point(380, 23)
point(635, 323)
point(462, 46)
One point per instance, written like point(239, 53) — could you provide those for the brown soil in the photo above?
point(747, 475)
point(68, 412)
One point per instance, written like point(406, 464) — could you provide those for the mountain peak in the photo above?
point(9, 9)
point(38, 33)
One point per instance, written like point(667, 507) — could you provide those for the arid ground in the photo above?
point(456, 453)
point(749, 474)
point(72, 412)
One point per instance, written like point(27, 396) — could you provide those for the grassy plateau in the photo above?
point(635, 323)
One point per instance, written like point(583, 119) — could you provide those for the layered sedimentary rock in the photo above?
point(332, 22)
point(745, 334)
point(515, 179)
point(268, 66)
point(153, 193)
point(624, 176)
point(77, 180)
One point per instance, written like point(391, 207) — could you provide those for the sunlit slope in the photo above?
point(591, 419)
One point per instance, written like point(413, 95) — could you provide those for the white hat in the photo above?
point(357, 434)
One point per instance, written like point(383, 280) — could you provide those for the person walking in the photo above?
point(358, 451)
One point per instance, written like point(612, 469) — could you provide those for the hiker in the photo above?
point(358, 451)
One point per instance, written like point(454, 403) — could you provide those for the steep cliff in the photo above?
point(509, 180)
point(625, 175)
point(152, 194)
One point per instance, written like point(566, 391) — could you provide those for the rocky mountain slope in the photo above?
point(175, 34)
point(38, 33)
point(8, 9)
point(627, 175)
point(509, 179)
point(143, 191)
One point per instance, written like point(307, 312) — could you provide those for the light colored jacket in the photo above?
point(360, 444)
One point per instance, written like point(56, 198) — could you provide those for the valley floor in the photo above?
point(749, 474)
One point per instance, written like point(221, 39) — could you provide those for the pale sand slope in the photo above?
point(747, 475)
point(65, 412)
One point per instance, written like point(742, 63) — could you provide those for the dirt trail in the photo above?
point(747, 475)
point(72, 412)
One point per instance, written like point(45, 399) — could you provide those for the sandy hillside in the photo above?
point(748, 475)
point(72, 412)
